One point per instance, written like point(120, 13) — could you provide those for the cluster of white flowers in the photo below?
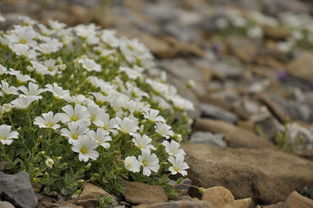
point(100, 102)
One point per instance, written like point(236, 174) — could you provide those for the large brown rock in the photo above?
point(297, 200)
point(179, 204)
point(234, 136)
point(301, 67)
point(217, 196)
point(140, 193)
point(88, 197)
point(266, 175)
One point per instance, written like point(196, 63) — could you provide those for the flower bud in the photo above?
point(49, 162)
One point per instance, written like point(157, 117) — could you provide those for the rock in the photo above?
point(269, 127)
point(297, 200)
point(274, 7)
point(248, 173)
point(245, 49)
point(300, 67)
point(275, 33)
point(233, 136)
point(217, 196)
point(297, 110)
point(212, 111)
point(88, 197)
point(5, 204)
point(278, 205)
point(240, 203)
point(241, 113)
point(70, 205)
point(275, 109)
point(140, 193)
point(202, 137)
point(179, 204)
point(18, 190)
point(307, 154)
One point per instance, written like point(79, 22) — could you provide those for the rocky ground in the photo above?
point(252, 140)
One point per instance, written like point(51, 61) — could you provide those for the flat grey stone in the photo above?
point(212, 111)
point(202, 137)
point(18, 190)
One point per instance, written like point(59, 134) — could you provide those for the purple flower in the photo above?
point(282, 74)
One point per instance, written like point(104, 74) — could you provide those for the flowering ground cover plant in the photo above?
point(78, 104)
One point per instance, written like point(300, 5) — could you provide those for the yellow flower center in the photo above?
point(93, 117)
point(145, 163)
point(74, 118)
point(3, 138)
point(49, 124)
point(75, 136)
point(22, 41)
point(176, 168)
point(83, 150)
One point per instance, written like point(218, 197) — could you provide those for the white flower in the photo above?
point(3, 70)
point(32, 90)
point(96, 113)
point(101, 137)
point(49, 162)
point(8, 90)
point(85, 146)
point(7, 107)
point(56, 25)
point(6, 135)
point(23, 102)
point(58, 91)
point(143, 142)
point(85, 31)
point(89, 64)
point(20, 77)
point(50, 45)
point(48, 120)
point(132, 164)
point(103, 121)
point(127, 125)
point(78, 114)
point(255, 32)
point(178, 165)
point(108, 37)
point(173, 148)
point(22, 35)
point(131, 73)
point(149, 162)
point(23, 50)
point(153, 115)
point(74, 131)
point(163, 130)
point(182, 103)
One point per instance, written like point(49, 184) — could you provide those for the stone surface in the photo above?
point(179, 204)
point(266, 175)
point(18, 190)
point(245, 49)
point(240, 203)
point(212, 111)
point(301, 66)
point(233, 136)
point(202, 137)
point(217, 196)
point(297, 200)
point(88, 197)
point(139, 193)
point(5, 204)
